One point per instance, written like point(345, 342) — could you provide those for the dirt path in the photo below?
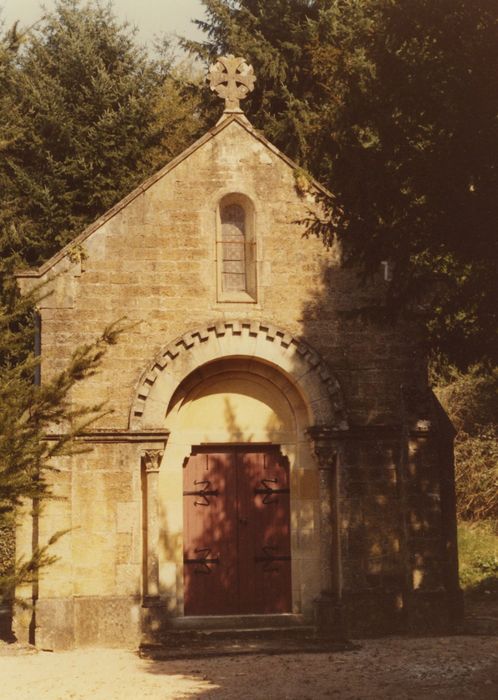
point(452, 668)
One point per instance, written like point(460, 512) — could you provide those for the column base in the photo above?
point(153, 618)
point(330, 618)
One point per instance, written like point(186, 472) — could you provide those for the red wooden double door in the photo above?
point(236, 531)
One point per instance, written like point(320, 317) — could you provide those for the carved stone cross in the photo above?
point(232, 78)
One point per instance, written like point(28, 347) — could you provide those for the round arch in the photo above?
point(253, 341)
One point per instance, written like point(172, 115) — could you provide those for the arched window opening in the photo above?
point(236, 249)
point(233, 238)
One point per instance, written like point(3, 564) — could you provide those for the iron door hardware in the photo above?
point(267, 492)
point(202, 561)
point(204, 493)
point(235, 551)
point(269, 558)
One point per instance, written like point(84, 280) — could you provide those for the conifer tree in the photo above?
point(390, 105)
point(275, 38)
point(86, 115)
point(29, 411)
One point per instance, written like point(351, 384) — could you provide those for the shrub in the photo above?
point(471, 401)
point(478, 554)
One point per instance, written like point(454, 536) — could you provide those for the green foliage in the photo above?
point(86, 114)
point(470, 398)
point(471, 401)
point(28, 413)
point(476, 460)
point(25, 571)
point(275, 37)
point(389, 104)
point(478, 554)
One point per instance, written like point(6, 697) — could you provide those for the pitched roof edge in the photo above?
point(211, 133)
point(291, 163)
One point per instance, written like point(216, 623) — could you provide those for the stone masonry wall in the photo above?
point(154, 262)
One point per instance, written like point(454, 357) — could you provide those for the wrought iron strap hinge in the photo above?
point(203, 561)
point(267, 492)
point(204, 493)
point(269, 558)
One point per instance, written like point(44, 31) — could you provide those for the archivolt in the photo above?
point(253, 340)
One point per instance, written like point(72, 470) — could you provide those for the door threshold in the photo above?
point(227, 622)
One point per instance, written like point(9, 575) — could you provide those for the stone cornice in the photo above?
point(117, 435)
point(369, 432)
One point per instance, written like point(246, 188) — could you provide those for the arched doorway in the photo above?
point(248, 523)
point(235, 389)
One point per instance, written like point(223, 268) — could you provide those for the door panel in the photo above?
point(264, 545)
point(237, 532)
point(210, 561)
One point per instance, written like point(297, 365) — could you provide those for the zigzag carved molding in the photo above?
point(188, 341)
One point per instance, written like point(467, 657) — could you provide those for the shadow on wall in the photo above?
point(7, 563)
point(272, 431)
point(236, 433)
point(171, 544)
point(393, 533)
point(236, 519)
point(396, 508)
point(370, 354)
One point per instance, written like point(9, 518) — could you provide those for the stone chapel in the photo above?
point(271, 457)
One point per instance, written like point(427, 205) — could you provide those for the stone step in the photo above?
point(189, 644)
point(189, 636)
point(474, 624)
point(232, 622)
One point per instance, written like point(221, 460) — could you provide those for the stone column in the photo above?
point(329, 617)
point(151, 460)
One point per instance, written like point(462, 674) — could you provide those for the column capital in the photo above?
point(152, 460)
point(323, 440)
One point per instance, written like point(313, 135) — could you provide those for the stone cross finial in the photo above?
point(232, 78)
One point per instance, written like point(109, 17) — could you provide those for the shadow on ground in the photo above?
point(451, 668)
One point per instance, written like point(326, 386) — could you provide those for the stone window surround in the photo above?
point(251, 293)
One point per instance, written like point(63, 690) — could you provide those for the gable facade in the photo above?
point(260, 432)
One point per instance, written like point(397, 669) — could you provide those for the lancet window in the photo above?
point(236, 249)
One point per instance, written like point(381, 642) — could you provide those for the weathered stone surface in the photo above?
point(366, 495)
point(54, 623)
point(107, 621)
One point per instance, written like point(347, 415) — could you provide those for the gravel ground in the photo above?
point(398, 667)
